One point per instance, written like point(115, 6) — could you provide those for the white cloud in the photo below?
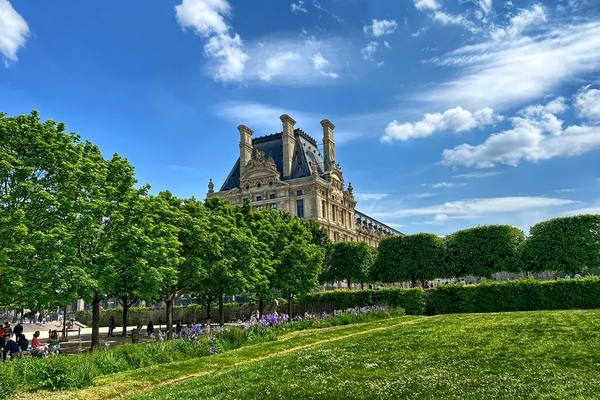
point(276, 60)
point(276, 65)
point(368, 51)
point(427, 4)
point(13, 31)
point(369, 196)
point(448, 19)
point(387, 44)
point(506, 73)
point(264, 119)
point(478, 174)
point(207, 18)
point(473, 208)
point(456, 119)
point(232, 58)
point(380, 27)
point(536, 135)
point(444, 185)
point(318, 6)
point(524, 20)
point(587, 103)
point(320, 63)
point(585, 210)
point(485, 5)
point(295, 8)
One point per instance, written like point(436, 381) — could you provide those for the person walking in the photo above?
point(111, 325)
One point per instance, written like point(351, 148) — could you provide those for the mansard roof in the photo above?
point(305, 155)
point(373, 224)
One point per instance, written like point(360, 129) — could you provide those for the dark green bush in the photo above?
point(517, 295)
point(411, 300)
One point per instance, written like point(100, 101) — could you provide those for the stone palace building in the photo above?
point(287, 171)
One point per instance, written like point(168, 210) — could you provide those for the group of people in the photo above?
point(11, 347)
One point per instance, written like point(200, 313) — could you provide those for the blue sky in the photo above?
point(449, 114)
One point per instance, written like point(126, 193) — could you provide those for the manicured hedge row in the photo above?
point(411, 300)
point(489, 296)
point(519, 295)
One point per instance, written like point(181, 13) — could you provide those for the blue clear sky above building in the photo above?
point(449, 114)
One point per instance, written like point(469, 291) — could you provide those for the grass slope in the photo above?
point(532, 355)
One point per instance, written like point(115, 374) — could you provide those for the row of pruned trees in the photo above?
point(76, 225)
point(569, 244)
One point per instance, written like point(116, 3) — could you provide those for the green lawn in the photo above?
point(532, 355)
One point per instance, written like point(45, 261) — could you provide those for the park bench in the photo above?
point(64, 333)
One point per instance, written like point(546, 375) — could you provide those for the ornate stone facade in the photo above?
point(286, 171)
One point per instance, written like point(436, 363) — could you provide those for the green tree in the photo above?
point(300, 262)
point(145, 250)
point(484, 251)
point(37, 164)
point(103, 188)
point(413, 258)
point(232, 260)
point(191, 219)
point(268, 227)
point(320, 237)
point(350, 261)
point(568, 244)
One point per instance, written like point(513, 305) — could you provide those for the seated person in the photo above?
point(7, 328)
point(22, 342)
point(37, 345)
point(10, 346)
point(150, 328)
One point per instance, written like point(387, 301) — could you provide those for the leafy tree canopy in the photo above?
point(484, 251)
point(568, 244)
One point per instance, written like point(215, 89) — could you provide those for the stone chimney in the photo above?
point(328, 144)
point(288, 141)
point(245, 146)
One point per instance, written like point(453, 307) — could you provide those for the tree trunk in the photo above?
point(64, 322)
point(362, 286)
point(95, 322)
point(261, 306)
point(221, 311)
point(290, 296)
point(413, 282)
point(349, 284)
point(208, 303)
point(125, 314)
point(169, 304)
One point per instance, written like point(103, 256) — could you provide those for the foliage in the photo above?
point(300, 262)
point(411, 300)
point(145, 252)
point(413, 258)
point(350, 261)
point(568, 244)
point(517, 295)
point(38, 164)
point(484, 251)
point(234, 257)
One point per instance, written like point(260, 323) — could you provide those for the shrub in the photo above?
point(517, 295)
point(411, 300)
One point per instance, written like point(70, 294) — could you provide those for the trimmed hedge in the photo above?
point(518, 295)
point(411, 300)
point(489, 296)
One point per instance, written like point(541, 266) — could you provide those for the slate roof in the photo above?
point(305, 154)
